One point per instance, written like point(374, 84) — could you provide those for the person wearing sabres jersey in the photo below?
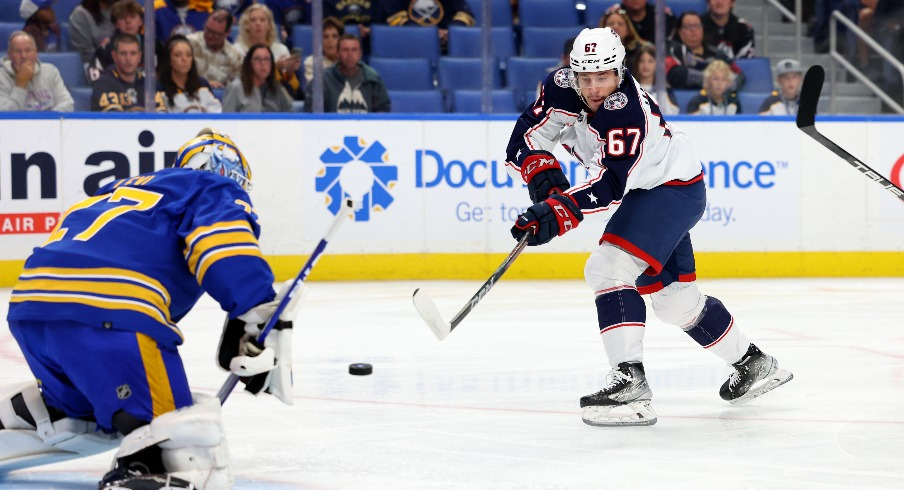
point(96, 312)
point(643, 171)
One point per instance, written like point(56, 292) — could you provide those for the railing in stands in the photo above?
point(858, 74)
point(792, 16)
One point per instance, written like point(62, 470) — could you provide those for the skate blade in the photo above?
point(774, 380)
point(638, 413)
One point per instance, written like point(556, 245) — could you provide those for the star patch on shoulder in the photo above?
point(562, 78)
point(616, 101)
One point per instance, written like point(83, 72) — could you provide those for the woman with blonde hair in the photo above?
point(619, 22)
point(715, 98)
point(256, 26)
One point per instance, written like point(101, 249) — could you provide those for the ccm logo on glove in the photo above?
point(543, 175)
point(548, 219)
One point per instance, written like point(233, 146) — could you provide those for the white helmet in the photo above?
point(598, 49)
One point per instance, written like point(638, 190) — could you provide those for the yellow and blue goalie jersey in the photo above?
point(139, 254)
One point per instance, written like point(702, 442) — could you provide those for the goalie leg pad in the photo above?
point(193, 444)
point(31, 437)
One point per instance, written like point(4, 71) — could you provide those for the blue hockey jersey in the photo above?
point(139, 254)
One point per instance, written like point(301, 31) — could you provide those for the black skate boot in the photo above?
point(133, 473)
point(624, 401)
point(756, 373)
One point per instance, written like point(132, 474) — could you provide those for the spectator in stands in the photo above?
point(178, 81)
point(688, 56)
point(179, 17)
point(287, 13)
point(41, 23)
point(783, 102)
point(120, 87)
point(724, 31)
point(332, 30)
point(256, 26)
point(619, 22)
point(822, 14)
point(128, 18)
point(715, 98)
point(352, 12)
point(234, 7)
point(350, 86)
point(90, 27)
point(26, 84)
point(256, 89)
point(643, 67)
point(439, 13)
point(216, 58)
point(643, 16)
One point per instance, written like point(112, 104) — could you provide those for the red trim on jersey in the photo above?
point(730, 324)
point(619, 325)
point(633, 250)
point(698, 178)
point(657, 286)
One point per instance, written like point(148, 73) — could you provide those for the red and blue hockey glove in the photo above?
point(549, 219)
point(543, 175)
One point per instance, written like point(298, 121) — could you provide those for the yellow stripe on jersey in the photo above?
point(214, 228)
point(221, 253)
point(90, 288)
point(209, 242)
point(98, 274)
point(158, 379)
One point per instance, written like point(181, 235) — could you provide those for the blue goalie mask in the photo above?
point(215, 152)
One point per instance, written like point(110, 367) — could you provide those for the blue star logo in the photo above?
point(358, 171)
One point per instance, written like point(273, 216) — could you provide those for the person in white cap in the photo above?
point(41, 23)
point(783, 102)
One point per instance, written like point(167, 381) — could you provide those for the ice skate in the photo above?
point(756, 373)
point(135, 476)
point(624, 401)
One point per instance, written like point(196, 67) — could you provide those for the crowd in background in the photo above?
point(238, 55)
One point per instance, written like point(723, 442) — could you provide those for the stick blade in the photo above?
point(430, 313)
point(809, 96)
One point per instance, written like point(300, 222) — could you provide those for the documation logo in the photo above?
point(360, 172)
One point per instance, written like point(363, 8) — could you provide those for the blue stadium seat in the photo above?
point(9, 12)
point(468, 41)
point(401, 74)
point(404, 42)
point(679, 6)
point(7, 28)
point(524, 74)
point(416, 100)
point(70, 66)
point(64, 8)
point(472, 101)
point(545, 42)
point(547, 13)
point(301, 38)
point(500, 13)
point(595, 10)
point(465, 73)
point(758, 71)
point(682, 97)
point(751, 101)
point(82, 97)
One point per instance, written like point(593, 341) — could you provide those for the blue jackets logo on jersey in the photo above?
point(358, 171)
point(616, 101)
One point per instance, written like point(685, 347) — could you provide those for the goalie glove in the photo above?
point(266, 367)
point(543, 175)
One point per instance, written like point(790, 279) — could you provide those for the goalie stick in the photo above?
point(806, 122)
point(430, 313)
point(294, 289)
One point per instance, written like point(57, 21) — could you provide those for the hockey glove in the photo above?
point(543, 175)
point(549, 219)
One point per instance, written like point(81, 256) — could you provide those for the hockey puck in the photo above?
point(360, 369)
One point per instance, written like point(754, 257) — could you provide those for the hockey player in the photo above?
point(95, 312)
point(643, 164)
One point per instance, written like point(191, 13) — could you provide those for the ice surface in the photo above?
point(495, 405)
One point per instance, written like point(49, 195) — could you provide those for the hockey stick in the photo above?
point(429, 312)
point(293, 290)
point(806, 121)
